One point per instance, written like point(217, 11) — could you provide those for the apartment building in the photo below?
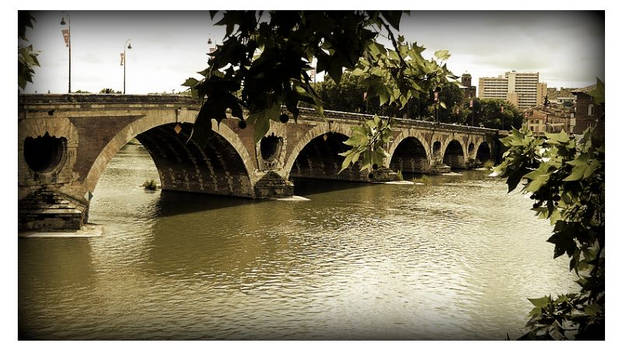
point(521, 89)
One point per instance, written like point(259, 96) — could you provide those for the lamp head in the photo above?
point(62, 21)
point(129, 46)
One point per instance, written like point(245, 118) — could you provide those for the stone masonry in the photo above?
point(66, 142)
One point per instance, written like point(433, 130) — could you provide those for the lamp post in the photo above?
point(436, 100)
point(127, 45)
point(472, 111)
point(67, 37)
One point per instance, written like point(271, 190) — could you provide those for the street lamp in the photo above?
point(127, 45)
point(472, 111)
point(436, 101)
point(67, 37)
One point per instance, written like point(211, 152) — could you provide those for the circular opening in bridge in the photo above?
point(270, 147)
point(44, 153)
point(436, 147)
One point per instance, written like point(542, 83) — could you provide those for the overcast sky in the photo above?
point(567, 48)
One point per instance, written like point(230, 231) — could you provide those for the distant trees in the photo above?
point(497, 114)
point(108, 91)
point(350, 96)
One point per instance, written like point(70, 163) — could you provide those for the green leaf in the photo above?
point(537, 181)
point(190, 82)
point(540, 302)
point(262, 125)
point(578, 170)
point(442, 54)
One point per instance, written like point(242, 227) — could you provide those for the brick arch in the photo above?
point(463, 147)
point(317, 131)
point(403, 136)
point(480, 144)
point(445, 144)
point(150, 123)
point(403, 160)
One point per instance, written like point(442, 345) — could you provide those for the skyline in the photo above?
point(170, 46)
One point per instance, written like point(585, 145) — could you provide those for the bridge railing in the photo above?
point(189, 101)
point(402, 121)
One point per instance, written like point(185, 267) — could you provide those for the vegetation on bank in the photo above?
point(565, 177)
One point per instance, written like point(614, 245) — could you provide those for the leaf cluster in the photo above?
point(565, 177)
point(26, 55)
point(367, 144)
point(265, 59)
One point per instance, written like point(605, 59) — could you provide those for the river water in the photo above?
point(453, 258)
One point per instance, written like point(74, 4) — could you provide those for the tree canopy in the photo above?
point(265, 59)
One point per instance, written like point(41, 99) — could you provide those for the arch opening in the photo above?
point(410, 157)
point(210, 165)
point(454, 156)
point(320, 159)
point(45, 153)
point(483, 152)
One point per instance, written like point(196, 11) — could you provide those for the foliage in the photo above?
point(109, 91)
point(26, 55)
point(367, 142)
point(566, 178)
point(487, 113)
point(351, 95)
point(150, 185)
point(265, 59)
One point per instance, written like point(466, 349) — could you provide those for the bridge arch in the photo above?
point(455, 154)
point(316, 154)
point(484, 152)
point(219, 166)
point(410, 155)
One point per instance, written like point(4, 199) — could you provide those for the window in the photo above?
point(590, 109)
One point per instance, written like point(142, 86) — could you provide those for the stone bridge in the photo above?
point(66, 141)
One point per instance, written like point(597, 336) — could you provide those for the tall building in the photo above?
point(496, 88)
point(520, 89)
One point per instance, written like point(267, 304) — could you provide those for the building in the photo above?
point(541, 94)
point(586, 112)
point(520, 89)
point(551, 120)
point(469, 90)
point(494, 88)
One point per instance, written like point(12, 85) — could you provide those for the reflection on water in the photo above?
point(453, 259)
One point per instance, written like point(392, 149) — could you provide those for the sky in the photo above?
point(566, 47)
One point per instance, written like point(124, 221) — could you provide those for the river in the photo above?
point(455, 257)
